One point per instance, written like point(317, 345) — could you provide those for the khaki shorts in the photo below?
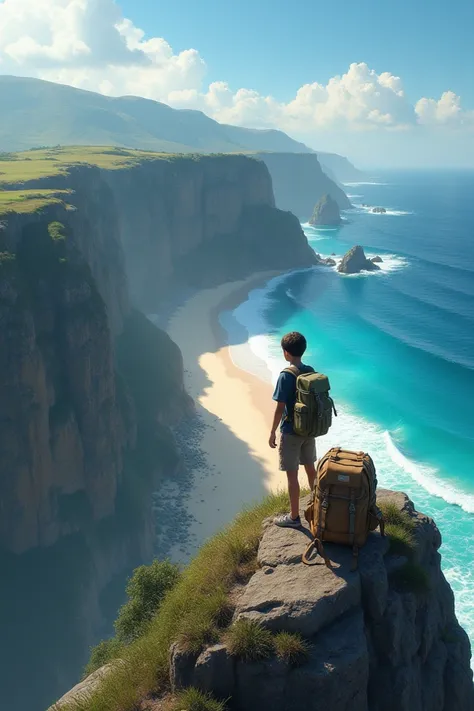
point(295, 450)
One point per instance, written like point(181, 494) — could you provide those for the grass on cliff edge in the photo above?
point(27, 201)
point(37, 164)
point(193, 613)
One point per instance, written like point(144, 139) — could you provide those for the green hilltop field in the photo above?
point(17, 169)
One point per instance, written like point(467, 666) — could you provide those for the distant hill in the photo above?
point(39, 113)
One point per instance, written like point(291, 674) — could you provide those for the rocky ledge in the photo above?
point(384, 638)
point(355, 261)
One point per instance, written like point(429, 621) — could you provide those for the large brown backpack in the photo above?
point(343, 506)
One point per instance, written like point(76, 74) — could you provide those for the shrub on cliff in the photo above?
point(146, 590)
point(198, 604)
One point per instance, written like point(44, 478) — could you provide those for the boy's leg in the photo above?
point(311, 474)
point(308, 459)
point(289, 451)
point(294, 492)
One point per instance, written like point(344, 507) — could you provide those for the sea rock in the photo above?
point(325, 261)
point(326, 212)
point(379, 210)
point(376, 260)
point(355, 261)
point(373, 646)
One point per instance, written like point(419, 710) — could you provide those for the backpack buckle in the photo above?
point(325, 504)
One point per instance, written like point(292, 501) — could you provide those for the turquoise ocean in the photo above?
point(398, 345)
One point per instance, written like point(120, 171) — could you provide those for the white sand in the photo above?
point(235, 406)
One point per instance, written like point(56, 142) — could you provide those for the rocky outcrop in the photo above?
point(377, 260)
point(379, 210)
point(355, 261)
point(325, 261)
point(299, 182)
point(326, 212)
point(384, 638)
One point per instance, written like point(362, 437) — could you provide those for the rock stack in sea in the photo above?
point(355, 261)
point(326, 212)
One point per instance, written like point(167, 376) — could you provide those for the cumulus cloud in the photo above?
point(90, 45)
point(447, 111)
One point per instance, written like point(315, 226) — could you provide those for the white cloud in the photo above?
point(447, 111)
point(89, 44)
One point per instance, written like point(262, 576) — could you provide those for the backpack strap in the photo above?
point(293, 370)
point(317, 545)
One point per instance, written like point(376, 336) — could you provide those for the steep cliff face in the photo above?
point(201, 222)
point(88, 386)
point(61, 428)
point(299, 182)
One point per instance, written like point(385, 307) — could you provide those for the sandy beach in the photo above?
point(235, 464)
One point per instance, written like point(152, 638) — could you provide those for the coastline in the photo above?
point(235, 465)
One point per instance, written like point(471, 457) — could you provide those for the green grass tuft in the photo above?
point(193, 700)
point(291, 648)
point(411, 577)
point(401, 540)
point(399, 528)
point(393, 515)
point(250, 641)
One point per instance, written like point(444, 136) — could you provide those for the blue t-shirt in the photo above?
point(285, 391)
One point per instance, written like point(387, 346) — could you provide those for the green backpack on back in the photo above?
point(314, 406)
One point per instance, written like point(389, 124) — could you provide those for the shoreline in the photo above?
point(234, 465)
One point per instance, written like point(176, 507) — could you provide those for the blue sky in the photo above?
point(275, 46)
point(384, 83)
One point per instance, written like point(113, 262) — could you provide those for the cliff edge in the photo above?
point(383, 638)
point(250, 625)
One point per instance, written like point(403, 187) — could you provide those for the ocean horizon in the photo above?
point(398, 345)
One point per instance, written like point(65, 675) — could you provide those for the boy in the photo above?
point(294, 450)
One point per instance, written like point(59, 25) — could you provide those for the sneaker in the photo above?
point(286, 521)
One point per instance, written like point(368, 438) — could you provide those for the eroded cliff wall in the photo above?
point(299, 182)
point(201, 222)
point(84, 406)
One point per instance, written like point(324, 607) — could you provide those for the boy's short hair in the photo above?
point(294, 343)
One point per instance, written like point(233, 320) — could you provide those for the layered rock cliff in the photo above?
point(299, 182)
point(201, 222)
point(383, 638)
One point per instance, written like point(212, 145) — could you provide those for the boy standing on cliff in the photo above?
point(294, 449)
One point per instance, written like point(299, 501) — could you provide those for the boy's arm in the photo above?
point(280, 407)
point(281, 395)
